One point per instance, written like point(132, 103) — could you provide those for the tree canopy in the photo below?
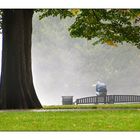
point(111, 26)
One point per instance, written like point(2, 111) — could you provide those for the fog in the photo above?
point(65, 66)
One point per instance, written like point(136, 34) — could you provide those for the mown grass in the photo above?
point(97, 106)
point(96, 120)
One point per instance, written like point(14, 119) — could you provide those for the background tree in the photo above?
point(105, 26)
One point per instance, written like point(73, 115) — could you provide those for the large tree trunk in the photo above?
point(17, 89)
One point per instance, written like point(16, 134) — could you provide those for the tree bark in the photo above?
point(16, 88)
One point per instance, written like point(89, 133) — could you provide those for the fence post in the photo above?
point(96, 100)
point(76, 102)
point(104, 99)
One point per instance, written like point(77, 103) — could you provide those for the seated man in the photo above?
point(101, 89)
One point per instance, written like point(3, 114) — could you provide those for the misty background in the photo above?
point(65, 66)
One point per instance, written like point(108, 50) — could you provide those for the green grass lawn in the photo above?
point(93, 106)
point(96, 120)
